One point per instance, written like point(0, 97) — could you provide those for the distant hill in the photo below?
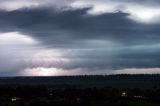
point(100, 81)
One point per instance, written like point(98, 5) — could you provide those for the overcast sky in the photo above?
point(79, 37)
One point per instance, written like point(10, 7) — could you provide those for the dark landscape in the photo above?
point(97, 90)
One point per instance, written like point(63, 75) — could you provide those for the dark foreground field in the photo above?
point(113, 90)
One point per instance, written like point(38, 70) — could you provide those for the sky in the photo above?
point(79, 37)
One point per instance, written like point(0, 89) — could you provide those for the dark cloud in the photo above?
point(132, 44)
point(75, 26)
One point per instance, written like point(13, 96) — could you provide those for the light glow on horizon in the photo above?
point(40, 71)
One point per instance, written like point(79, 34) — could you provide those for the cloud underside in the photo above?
point(77, 38)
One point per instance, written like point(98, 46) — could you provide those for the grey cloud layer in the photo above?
point(100, 42)
point(76, 26)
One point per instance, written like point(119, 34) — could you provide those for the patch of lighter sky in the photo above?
point(137, 71)
point(137, 12)
point(16, 38)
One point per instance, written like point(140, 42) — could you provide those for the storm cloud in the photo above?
point(79, 37)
